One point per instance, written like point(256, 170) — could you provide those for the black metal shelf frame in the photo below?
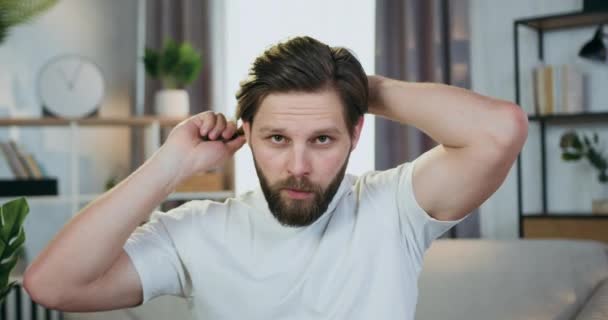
point(542, 24)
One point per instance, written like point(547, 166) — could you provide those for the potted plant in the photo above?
point(12, 238)
point(176, 65)
point(14, 12)
point(575, 148)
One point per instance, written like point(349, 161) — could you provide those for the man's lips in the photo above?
point(298, 194)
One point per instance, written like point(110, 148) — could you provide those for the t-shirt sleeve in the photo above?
point(417, 226)
point(156, 259)
point(418, 229)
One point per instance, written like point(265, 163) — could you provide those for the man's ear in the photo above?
point(247, 130)
point(357, 132)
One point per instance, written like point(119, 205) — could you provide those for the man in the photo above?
point(311, 242)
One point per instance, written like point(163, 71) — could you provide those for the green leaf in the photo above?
point(16, 12)
point(17, 241)
point(576, 143)
point(177, 64)
point(12, 238)
point(570, 140)
point(151, 63)
point(169, 58)
point(3, 28)
point(189, 65)
point(4, 291)
point(6, 266)
point(12, 215)
point(603, 178)
point(567, 156)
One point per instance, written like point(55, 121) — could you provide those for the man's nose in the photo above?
point(299, 164)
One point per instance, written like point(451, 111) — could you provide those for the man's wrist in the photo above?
point(166, 167)
point(375, 86)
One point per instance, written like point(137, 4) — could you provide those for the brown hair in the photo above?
point(307, 65)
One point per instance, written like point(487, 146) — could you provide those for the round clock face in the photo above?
point(71, 86)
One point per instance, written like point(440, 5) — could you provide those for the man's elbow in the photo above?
point(40, 291)
point(512, 131)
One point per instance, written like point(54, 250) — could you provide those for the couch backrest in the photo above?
point(509, 279)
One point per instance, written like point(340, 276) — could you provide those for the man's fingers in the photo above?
point(229, 131)
point(236, 143)
point(220, 125)
point(208, 123)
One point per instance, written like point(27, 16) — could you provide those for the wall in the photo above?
point(250, 27)
point(570, 185)
point(104, 31)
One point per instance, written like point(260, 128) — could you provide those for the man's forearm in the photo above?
point(452, 116)
point(88, 245)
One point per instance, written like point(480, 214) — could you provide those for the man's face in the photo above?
point(301, 147)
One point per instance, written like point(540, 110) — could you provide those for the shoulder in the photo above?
point(384, 181)
point(194, 211)
point(196, 216)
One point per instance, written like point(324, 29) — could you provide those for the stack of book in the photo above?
point(558, 89)
point(21, 174)
point(22, 164)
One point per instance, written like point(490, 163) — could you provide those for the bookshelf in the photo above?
point(545, 223)
point(151, 127)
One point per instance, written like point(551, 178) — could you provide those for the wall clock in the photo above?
point(71, 86)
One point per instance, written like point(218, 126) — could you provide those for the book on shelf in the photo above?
point(6, 172)
point(13, 161)
point(558, 89)
point(22, 164)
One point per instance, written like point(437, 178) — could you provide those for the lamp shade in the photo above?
point(595, 48)
point(595, 5)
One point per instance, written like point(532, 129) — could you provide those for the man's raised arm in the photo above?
point(84, 267)
point(479, 139)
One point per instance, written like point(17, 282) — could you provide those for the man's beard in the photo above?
point(296, 212)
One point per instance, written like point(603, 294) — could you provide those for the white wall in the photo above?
point(570, 185)
point(104, 31)
point(249, 27)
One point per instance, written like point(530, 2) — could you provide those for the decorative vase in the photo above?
point(172, 103)
point(599, 202)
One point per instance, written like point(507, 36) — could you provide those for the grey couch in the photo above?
point(478, 280)
point(514, 279)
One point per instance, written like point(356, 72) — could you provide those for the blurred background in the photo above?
point(88, 91)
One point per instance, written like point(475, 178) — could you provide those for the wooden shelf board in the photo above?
point(212, 195)
point(118, 121)
point(570, 117)
point(564, 20)
point(52, 199)
point(568, 228)
point(573, 215)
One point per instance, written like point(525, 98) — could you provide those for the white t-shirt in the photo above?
point(360, 260)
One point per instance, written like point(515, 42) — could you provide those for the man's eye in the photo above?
point(277, 138)
point(323, 139)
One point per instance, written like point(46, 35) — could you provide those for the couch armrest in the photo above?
point(596, 307)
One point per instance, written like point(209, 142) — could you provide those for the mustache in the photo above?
point(302, 184)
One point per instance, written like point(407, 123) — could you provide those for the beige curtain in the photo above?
point(422, 41)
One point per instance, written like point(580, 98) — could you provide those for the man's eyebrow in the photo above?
point(327, 131)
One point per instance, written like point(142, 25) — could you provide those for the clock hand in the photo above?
point(75, 75)
point(64, 76)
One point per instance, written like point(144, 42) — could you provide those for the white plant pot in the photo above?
point(599, 201)
point(172, 103)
